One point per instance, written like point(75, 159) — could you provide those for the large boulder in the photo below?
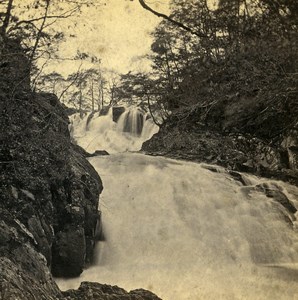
point(23, 269)
point(290, 146)
point(117, 112)
point(97, 291)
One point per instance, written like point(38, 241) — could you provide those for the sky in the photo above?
point(117, 32)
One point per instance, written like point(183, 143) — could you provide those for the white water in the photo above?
point(131, 121)
point(184, 232)
point(101, 133)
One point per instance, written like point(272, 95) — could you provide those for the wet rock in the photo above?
point(240, 177)
point(43, 237)
point(211, 168)
point(274, 191)
point(98, 153)
point(117, 112)
point(23, 270)
point(69, 252)
point(104, 110)
point(50, 194)
point(96, 291)
point(290, 145)
point(277, 197)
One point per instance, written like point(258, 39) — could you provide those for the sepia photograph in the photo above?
point(148, 149)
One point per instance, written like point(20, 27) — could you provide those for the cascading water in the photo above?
point(102, 133)
point(184, 232)
point(132, 121)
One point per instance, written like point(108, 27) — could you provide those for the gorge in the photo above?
point(170, 172)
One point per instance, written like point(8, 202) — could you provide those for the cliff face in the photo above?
point(49, 195)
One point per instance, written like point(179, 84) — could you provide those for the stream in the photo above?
point(183, 231)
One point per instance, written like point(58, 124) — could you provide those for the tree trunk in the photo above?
point(80, 102)
point(150, 110)
point(92, 96)
point(6, 20)
point(102, 94)
point(40, 31)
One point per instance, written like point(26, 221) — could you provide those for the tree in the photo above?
point(52, 82)
point(30, 23)
point(245, 55)
point(86, 89)
point(170, 19)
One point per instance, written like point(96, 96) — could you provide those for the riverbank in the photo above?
point(236, 150)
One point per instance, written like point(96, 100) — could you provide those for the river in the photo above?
point(185, 232)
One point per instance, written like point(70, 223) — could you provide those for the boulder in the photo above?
point(117, 112)
point(69, 252)
point(290, 145)
point(97, 291)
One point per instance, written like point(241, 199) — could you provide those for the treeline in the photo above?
point(232, 66)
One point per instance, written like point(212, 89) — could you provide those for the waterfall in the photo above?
point(132, 121)
point(186, 230)
point(99, 132)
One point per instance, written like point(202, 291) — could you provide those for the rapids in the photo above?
point(184, 232)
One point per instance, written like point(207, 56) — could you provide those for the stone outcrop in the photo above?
point(49, 196)
point(117, 112)
point(236, 151)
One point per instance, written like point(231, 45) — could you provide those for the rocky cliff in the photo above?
point(49, 192)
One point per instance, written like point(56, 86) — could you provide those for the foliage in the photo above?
point(235, 70)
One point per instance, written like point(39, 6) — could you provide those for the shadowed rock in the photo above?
point(97, 291)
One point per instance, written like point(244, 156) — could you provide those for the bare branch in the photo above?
point(72, 83)
point(39, 33)
point(177, 23)
point(65, 15)
point(33, 84)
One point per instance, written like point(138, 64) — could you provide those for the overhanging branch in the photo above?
point(177, 23)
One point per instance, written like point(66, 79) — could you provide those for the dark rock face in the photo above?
point(235, 151)
point(13, 65)
point(98, 291)
point(290, 147)
point(48, 188)
point(98, 153)
point(49, 192)
point(117, 112)
point(104, 111)
point(23, 270)
point(77, 219)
